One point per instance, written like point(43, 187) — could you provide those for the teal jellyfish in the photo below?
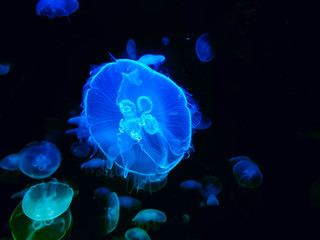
point(112, 213)
point(46, 201)
point(149, 218)
point(24, 228)
point(204, 48)
point(39, 159)
point(56, 8)
point(246, 172)
point(136, 234)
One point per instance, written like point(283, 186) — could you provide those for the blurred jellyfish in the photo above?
point(102, 191)
point(23, 228)
point(94, 163)
point(112, 211)
point(46, 201)
point(205, 123)
point(39, 159)
point(165, 41)
point(56, 8)
point(139, 119)
point(210, 188)
point(153, 61)
point(136, 234)
point(190, 184)
point(204, 48)
point(149, 218)
point(20, 194)
point(80, 149)
point(185, 218)
point(129, 202)
point(131, 49)
point(4, 68)
point(246, 172)
point(10, 162)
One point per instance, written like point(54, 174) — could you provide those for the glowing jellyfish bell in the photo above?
point(4, 68)
point(56, 8)
point(23, 228)
point(139, 119)
point(39, 159)
point(10, 162)
point(131, 49)
point(149, 218)
point(112, 213)
point(204, 48)
point(246, 172)
point(136, 234)
point(210, 188)
point(46, 201)
point(129, 202)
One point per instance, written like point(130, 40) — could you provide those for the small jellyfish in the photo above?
point(136, 234)
point(56, 8)
point(46, 201)
point(246, 172)
point(149, 218)
point(102, 192)
point(23, 228)
point(112, 211)
point(210, 188)
point(4, 68)
point(80, 149)
point(185, 218)
point(94, 163)
point(154, 61)
point(39, 159)
point(165, 41)
point(205, 123)
point(204, 48)
point(190, 184)
point(10, 162)
point(131, 49)
point(20, 194)
point(129, 202)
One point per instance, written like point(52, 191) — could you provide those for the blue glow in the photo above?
point(129, 202)
point(4, 69)
point(136, 234)
point(80, 149)
point(23, 228)
point(56, 8)
point(190, 184)
point(10, 162)
point(246, 172)
point(20, 194)
point(165, 41)
point(112, 213)
point(46, 201)
point(94, 163)
point(139, 119)
point(39, 159)
point(204, 48)
point(102, 191)
point(149, 218)
point(210, 188)
point(131, 49)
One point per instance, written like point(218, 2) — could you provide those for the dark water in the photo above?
point(261, 100)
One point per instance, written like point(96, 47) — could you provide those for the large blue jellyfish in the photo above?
point(139, 119)
point(56, 8)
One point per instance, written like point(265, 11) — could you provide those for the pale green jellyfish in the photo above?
point(112, 212)
point(149, 218)
point(46, 201)
point(136, 234)
point(24, 228)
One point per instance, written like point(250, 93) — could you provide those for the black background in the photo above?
point(261, 100)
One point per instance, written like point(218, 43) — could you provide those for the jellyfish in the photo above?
point(56, 8)
point(4, 68)
point(39, 159)
point(22, 227)
point(204, 48)
point(94, 163)
point(20, 194)
point(46, 201)
point(185, 218)
point(151, 60)
point(10, 162)
point(112, 211)
point(246, 172)
point(149, 218)
point(165, 41)
point(210, 188)
point(131, 49)
point(139, 119)
point(129, 202)
point(190, 184)
point(80, 149)
point(136, 234)
point(102, 191)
